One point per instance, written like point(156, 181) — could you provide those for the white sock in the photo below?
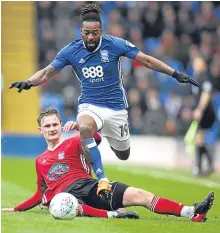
point(112, 214)
point(187, 211)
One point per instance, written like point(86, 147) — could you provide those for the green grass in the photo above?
point(19, 182)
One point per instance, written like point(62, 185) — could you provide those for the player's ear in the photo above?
point(39, 129)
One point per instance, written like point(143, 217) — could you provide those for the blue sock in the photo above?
point(96, 157)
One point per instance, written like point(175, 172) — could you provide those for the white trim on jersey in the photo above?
point(100, 43)
point(78, 80)
point(77, 76)
point(121, 78)
point(124, 96)
point(44, 199)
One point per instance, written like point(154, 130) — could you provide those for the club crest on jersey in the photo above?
point(104, 56)
point(61, 155)
point(57, 170)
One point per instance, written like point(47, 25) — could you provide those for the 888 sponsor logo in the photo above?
point(95, 73)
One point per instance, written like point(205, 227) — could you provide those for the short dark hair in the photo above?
point(48, 112)
point(90, 12)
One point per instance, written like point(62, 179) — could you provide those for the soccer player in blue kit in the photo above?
point(96, 61)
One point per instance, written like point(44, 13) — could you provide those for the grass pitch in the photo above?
point(19, 183)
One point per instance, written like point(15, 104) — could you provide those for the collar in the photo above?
point(54, 148)
point(98, 47)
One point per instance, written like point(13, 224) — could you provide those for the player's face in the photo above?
point(91, 32)
point(51, 128)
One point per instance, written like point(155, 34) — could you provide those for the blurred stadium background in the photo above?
point(160, 108)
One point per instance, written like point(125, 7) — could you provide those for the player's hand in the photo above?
point(22, 85)
point(184, 78)
point(70, 125)
point(104, 189)
point(7, 209)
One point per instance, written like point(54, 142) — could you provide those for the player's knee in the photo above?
point(86, 129)
point(122, 155)
point(200, 138)
point(136, 196)
point(86, 125)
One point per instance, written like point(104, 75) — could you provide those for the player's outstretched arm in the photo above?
point(157, 65)
point(30, 203)
point(37, 79)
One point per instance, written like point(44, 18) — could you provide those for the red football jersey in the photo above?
point(57, 169)
point(61, 167)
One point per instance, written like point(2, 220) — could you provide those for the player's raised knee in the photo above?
point(86, 125)
point(85, 128)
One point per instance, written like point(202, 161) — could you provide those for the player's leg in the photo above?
point(138, 197)
point(124, 196)
point(85, 190)
point(120, 148)
point(116, 131)
point(86, 210)
point(199, 143)
point(210, 117)
point(201, 148)
point(88, 123)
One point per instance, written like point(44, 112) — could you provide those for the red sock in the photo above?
point(165, 206)
point(86, 210)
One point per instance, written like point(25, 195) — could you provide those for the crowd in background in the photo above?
point(174, 32)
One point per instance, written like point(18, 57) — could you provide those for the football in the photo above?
point(64, 206)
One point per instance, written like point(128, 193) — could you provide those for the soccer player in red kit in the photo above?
point(63, 168)
point(59, 166)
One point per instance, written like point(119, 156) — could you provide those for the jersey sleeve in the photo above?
point(34, 200)
point(125, 48)
point(30, 203)
point(61, 60)
point(207, 86)
point(41, 184)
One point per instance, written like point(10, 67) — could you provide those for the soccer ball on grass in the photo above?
point(64, 206)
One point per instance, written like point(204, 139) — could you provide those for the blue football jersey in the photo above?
point(99, 72)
